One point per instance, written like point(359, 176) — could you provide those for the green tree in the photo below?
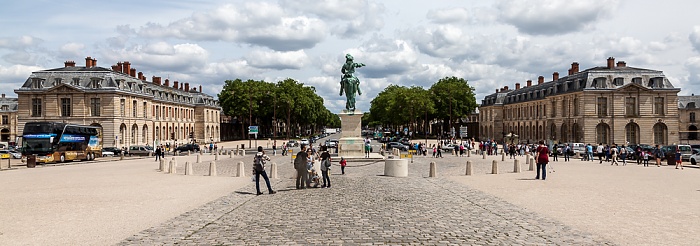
point(454, 99)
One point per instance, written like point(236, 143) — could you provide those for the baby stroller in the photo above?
point(314, 178)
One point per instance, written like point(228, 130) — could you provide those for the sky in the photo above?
point(490, 43)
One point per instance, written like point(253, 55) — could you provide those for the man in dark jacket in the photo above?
point(300, 166)
point(157, 153)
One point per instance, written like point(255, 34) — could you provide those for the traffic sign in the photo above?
point(463, 131)
point(253, 130)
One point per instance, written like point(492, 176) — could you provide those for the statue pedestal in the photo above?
point(351, 144)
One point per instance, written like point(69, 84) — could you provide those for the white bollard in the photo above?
point(469, 153)
point(167, 168)
point(516, 166)
point(433, 170)
point(230, 154)
point(483, 154)
point(240, 170)
point(189, 152)
point(162, 165)
point(470, 168)
point(216, 157)
point(532, 164)
point(188, 168)
point(173, 166)
point(242, 152)
point(273, 171)
point(198, 156)
point(494, 167)
point(212, 168)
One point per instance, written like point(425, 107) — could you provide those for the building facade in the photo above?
point(130, 109)
point(688, 111)
point(609, 104)
point(8, 120)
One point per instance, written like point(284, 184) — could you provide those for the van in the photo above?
point(670, 151)
point(578, 147)
point(140, 150)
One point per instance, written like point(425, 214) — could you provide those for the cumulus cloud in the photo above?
point(277, 60)
point(20, 42)
point(12, 77)
point(384, 57)
point(695, 38)
point(352, 18)
point(551, 17)
point(162, 56)
point(693, 67)
point(72, 49)
point(450, 15)
point(255, 23)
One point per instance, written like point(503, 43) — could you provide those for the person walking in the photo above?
point(368, 147)
point(623, 155)
point(439, 151)
point(300, 166)
point(162, 152)
point(646, 158)
point(613, 155)
point(657, 155)
point(567, 152)
point(158, 152)
point(343, 163)
point(679, 158)
point(434, 151)
point(542, 160)
point(274, 147)
point(600, 152)
point(325, 167)
point(589, 152)
point(259, 168)
point(555, 153)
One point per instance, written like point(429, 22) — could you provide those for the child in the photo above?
point(646, 158)
point(679, 160)
point(343, 163)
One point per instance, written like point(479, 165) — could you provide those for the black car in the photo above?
point(397, 145)
point(187, 147)
point(115, 150)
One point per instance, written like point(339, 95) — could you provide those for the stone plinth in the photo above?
point(396, 167)
point(351, 143)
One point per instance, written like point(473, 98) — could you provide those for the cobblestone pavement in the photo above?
point(363, 207)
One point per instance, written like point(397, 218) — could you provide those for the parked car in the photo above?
point(187, 147)
point(106, 153)
point(304, 142)
point(670, 151)
point(6, 154)
point(400, 146)
point(448, 148)
point(292, 143)
point(140, 150)
point(695, 157)
point(114, 150)
point(332, 143)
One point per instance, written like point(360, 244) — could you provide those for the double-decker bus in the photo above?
point(59, 142)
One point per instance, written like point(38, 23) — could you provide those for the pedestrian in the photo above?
point(600, 152)
point(300, 166)
point(679, 158)
point(542, 160)
point(259, 167)
point(325, 168)
point(623, 155)
point(439, 151)
point(646, 158)
point(657, 155)
point(284, 148)
point(567, 152)
point(343, 163)
point(613, 155)
point(368, 147)
point(589, 152)
point(310, 168)
point(162, 152)
point(158, 152)
point(274, 148)
point(434, 151)
point(555, 153)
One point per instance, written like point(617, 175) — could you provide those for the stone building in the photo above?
point(608, 104)
point(688, 110)
point(130, 109)
point(8, 120)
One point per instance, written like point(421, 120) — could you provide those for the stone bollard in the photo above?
point(212, 168)
point(396, 167)
point(503, 156)
point(167, 168)
point(121, 156)
point(433, 170)
point(483, 154)
point(578, 155)
point(494, 167)
point(240, 170)
point(216, 156)
point(242, 152)
point(188, 168)
point(469, 153)
point(150, 154)
point(516, 166)
point(273, 171)
point(454, 152)
point(532, 164)
point(230, 154)
point(173, 167)
point(162, 165)
point(198, 156)
point(189, 153)
point(470, 168)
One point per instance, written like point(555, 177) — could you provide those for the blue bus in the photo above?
point(60, 142)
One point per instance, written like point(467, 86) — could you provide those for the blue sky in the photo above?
point(490, 43)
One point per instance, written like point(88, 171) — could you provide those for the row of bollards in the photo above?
point(494, 167)
point(171, 168)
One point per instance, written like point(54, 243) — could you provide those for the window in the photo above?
point(95, 106)
point(76, 81)
point(134, 109)
point(602, 106)
point(56, 81)
point(5, 120)
point(65, 107)
point(602, 133)
point(554, 108)
point(637, 80)
point(576, 107)
point(36, 107)
point(630, 106)
point(122, 107)
point(145, 109)
point(5, 107)
point(659, 105)
point(660, 133)
point(632, 133)
point(618, 81)
point(692, 117)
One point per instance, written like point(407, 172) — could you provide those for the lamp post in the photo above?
point(250, 114)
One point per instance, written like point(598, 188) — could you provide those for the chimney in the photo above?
point(611, 62)
point(120, 67)
point(132, 72)
point(200, 88)
point(175, 84)
point(621, 64)
point(156, 80)
point(127, 67)
point(187, 87)
point(141, 76)
point(70, 64)
point(529, 83)
point(555, 76)
point(496, 90)
point(3, 95)
point(574, 67)
point(88, 62)
point(181, 86)
point(167, 82)
point(505, 88)
point(540, 80)
point(517, 86)
point(94, 62)
point(114, 67)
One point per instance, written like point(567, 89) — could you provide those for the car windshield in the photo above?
point(684, 148)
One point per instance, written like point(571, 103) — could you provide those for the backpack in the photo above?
point(259, 163)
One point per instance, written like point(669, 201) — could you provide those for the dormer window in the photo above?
point(56, 81)
point(76, 81)
point(95, 83)
point(618, 81)
point(37, 83)
point(5, 108)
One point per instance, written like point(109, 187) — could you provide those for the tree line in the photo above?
point(289, 102)
point(446, 102)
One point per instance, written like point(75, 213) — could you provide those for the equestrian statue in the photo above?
point(349, 83)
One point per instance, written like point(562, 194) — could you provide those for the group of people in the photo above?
point(306, 172)
point(642, 156)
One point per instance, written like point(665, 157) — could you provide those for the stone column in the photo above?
point(273, 171)
point(470, 169)
point(188, 168)
point(494, 167)
point(532, 164)
point(516, 166)
point(173, 166)
point(212, 168)
point(240, 172)
point(433, 170)
point(161, 168)
point(503, 156)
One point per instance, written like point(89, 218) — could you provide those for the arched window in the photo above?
point(144, 134)
point(134, 132)
point(692, 116)
point(693, 135)
point(564, 133)
point(632, 133)
point(553, 132)
point(602, 132)
point(660, 133)
point(576, 131)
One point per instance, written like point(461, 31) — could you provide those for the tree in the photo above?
point(453, 98)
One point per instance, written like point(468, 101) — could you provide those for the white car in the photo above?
point(15, 155)
point(304, 141)
point(695, 157)
point(107, 153)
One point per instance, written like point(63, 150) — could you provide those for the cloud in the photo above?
point(449, 15)
point(14, 76)
point(72, 49)
point(277, 60)
point(695, 38)
point(162, 56)
point(384, 57)
point(693, 67)
point(21, 42)
point(552, 17)
point(259, 24)
point(352, 18)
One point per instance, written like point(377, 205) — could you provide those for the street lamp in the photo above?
point(250, 114)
